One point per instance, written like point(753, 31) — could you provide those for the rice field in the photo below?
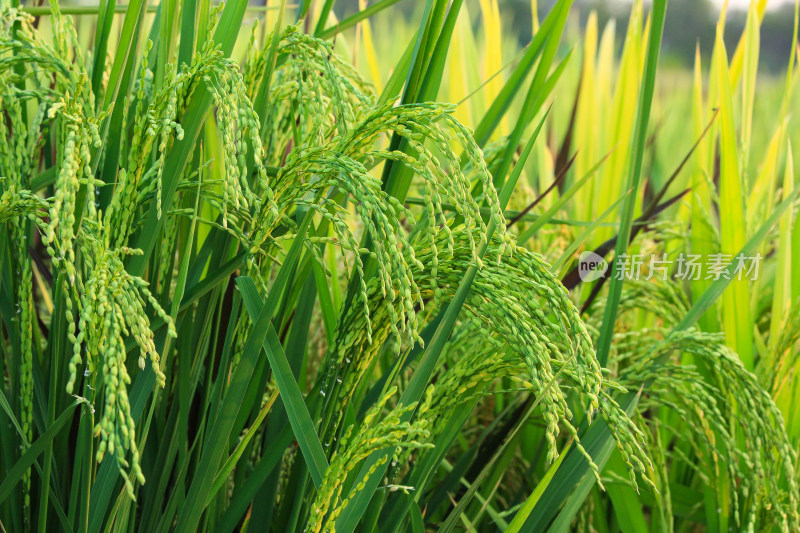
point(297, 268)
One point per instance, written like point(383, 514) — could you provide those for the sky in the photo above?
point(738, 4)
point(745, 3)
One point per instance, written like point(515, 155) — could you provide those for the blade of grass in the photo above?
point(216, 440)
point(33, 451)
point(551, 28)
point(540, 88)
point(545, 217)
point(352, 20)
point(736, 317)
point(634, 177)
point(229, 465)
point(578, 241)
point(293, 401)
point(530, 502)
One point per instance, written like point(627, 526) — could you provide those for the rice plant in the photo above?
point(247, 285)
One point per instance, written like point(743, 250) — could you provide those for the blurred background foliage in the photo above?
point(689, 23)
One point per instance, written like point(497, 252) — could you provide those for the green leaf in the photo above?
point(634, 175)
point(550, 29)
point(293, 401)
point(230, 464)
point(350, 21)
point(14, 476)
point(530, 502)
point(217, 437)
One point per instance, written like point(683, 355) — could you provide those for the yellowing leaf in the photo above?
point(736, 315)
